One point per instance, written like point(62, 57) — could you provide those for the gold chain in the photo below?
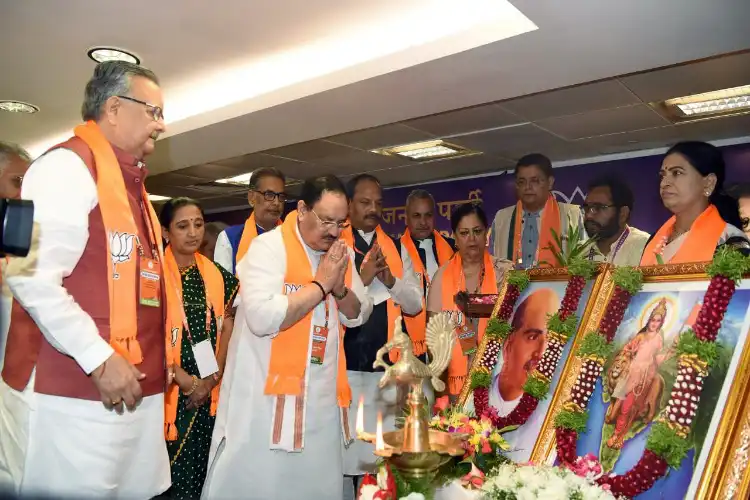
point(184, 440)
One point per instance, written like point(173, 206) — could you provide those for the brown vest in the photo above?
point(56, 373)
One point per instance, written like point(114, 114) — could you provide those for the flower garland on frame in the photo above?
point(667, 441)
point(561, 326)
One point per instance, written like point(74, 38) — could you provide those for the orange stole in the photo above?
point(550, 220)
point(393, 259)
point(249, 233)
point(214, 285)
point(700, 242)
point(453, 282)
point(289, 359)
point(415, 325)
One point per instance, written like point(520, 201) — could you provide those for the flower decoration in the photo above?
point(531, 481)
point(381, 488)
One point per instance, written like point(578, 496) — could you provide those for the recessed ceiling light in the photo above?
point(237, 180)
point(18, 107)
point(158, 197)
point(102, 54)
point(724, 102)
point(428, 150)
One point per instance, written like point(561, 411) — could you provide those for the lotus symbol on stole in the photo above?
point(409, 369)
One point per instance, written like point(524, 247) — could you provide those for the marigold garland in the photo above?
point(667, 441)
point(561, 326)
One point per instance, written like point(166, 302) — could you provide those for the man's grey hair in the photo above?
point(215, 228)
point(420, 194)
point(111, 78)
point(8, 150)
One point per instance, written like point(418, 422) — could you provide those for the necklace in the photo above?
point(617, 246)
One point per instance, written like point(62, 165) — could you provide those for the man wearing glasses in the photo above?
point(522, 232)
point(82, 390)
point(606, 212)
point(283, 411)
point(266, 198)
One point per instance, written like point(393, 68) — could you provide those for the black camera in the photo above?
point(16, 224)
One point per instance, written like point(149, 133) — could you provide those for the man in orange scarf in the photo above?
point(522, 232)
point(392, 284)
point(87, 329)
point(285, 397)
point(266, 197)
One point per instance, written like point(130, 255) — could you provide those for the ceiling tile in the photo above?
point(651, 138)
point(607, 121)
point(719, 128)
point(210, 171)
point(378, 137)
point(442, 169)
point(310, 151)
point(175, 191)
point(355, 160)
point(224, 202)
point(464, 120)
point(590, 97)
point(516, 141)
point(693, 78)
point(291, 168)
point(171, 179)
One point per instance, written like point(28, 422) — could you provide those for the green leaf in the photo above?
point(498, 329)
point(593, 344)
point(629, 279)
point(536, 387)
point(519, 278)
point(730, 263)
point(688, 343)
point(565, 328)
point(572, 420)
point(659, 259)
point(665, 443)
point(480, 379)
point(582, 267)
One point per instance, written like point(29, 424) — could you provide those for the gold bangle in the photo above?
point(195, 386)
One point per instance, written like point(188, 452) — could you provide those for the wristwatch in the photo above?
point(342, 296)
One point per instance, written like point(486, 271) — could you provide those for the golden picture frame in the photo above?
point(556, 277)
point(723, 468)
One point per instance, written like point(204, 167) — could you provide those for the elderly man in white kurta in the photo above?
point(283, 414)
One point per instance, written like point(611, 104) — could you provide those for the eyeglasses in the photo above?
point(272, 195)
point(476, 232)
point(328, 224)
point(153, 110)
point(595, 208)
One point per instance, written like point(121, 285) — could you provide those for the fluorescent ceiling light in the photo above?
point(158, 197)
point(719, 102)
point(102, 54)
point(18, 107)
point(237, 180)
point(428, 150)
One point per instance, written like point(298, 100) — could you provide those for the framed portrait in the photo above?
point(519, 357)
point(636, 385)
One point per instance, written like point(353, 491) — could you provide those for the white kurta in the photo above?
point(59, 446)
point(629, 252)
point(242, 463)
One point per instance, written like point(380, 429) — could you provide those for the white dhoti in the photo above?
point(359, 458)
point(71, 448)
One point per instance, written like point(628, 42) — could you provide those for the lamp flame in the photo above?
point(360, 426)
point(379, 442)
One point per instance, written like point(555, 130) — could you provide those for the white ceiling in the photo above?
point(43, 45)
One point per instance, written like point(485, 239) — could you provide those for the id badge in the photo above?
point(320, 337)
point(150, 282)
point(205, 358)
point(467, 339)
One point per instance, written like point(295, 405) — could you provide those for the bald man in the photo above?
point(14, 162)
point(523, 349)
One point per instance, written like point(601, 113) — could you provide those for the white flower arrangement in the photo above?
point(530, 482)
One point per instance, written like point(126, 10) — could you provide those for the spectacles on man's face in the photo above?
point(595, 208)
point(272, 195)
point(330, 224)
point(153, 110)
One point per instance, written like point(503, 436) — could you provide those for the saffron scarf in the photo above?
point(453, 281)
point(122, 237)
point(289, 349)
point(249, 233)
point(699, 244)
point(415, 325)
point(213, 283)
point(550, 221)
point(393, 259)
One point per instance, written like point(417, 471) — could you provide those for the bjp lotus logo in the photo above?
point(120, 248)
